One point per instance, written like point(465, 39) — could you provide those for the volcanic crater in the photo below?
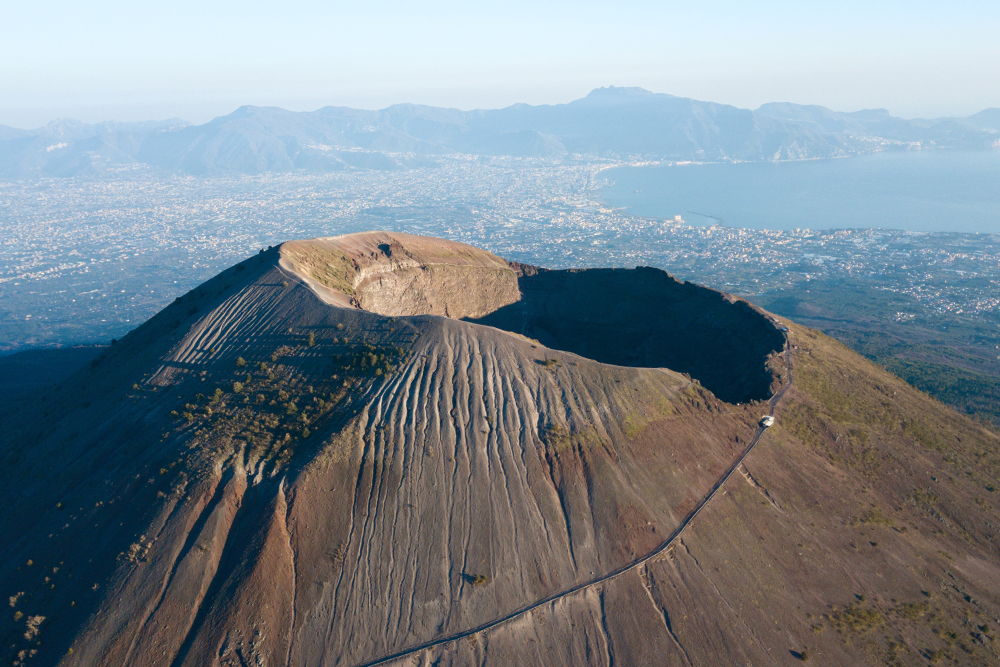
point(627, 317)
point(388, 449)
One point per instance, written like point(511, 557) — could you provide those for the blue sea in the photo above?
point(927, 191)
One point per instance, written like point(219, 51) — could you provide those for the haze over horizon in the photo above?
point(112, 61)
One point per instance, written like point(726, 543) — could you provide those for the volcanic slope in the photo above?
point(309, 460)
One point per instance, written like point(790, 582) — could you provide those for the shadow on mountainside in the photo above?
point(644, 317)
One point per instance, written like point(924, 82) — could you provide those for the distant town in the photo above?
point(83, 260)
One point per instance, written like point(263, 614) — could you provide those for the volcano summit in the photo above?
point(388, 449)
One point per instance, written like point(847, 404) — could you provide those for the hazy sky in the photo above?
point(196, 59)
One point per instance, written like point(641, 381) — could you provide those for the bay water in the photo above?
point(927, 191)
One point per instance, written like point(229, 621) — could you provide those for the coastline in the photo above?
point(935, 191)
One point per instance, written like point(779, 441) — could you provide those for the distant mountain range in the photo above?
point(609, 122)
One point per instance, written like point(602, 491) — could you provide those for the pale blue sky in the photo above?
point(108, 59)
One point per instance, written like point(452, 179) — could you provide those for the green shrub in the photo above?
point(241, 362)
point(875, 516)
point(237, 387)
point(857, 619)
point(911, 610)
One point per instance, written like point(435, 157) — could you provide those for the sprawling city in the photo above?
point(86, 260)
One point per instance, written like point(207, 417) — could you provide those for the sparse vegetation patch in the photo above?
point(275, 409)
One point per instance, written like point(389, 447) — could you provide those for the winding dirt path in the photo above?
point(623, 569)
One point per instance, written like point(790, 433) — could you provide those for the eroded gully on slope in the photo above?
point(629, 567)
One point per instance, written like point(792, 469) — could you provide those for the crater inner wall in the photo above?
point(644, 317)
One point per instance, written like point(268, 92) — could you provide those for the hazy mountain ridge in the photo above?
point(609, 122)
point(879, 123)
